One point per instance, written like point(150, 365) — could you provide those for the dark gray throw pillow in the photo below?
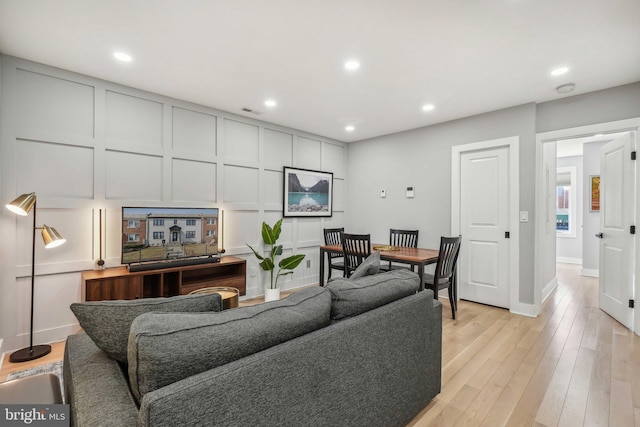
point(352, 297)
point(108, 322)
point(371, 265)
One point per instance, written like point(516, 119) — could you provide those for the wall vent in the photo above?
point(249, 110)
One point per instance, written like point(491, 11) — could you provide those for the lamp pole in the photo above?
point(33, 276)
point(31, 352)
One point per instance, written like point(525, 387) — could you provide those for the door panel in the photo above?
point(484, 219)
point(617, 245)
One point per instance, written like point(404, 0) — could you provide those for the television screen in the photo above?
point(154, 234)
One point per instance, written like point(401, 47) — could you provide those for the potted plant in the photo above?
point(286, 266)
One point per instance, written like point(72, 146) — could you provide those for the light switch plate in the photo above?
point(524, 216)
point(409, 192)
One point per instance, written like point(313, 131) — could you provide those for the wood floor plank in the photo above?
point(525, 410)
point(621, 411)
point(597, 410)
point(575, 402)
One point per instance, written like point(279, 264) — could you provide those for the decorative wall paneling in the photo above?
point(83, 144)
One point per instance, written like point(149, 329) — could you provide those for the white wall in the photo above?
point(569, 247)
point(84, 144)
point(422, 158)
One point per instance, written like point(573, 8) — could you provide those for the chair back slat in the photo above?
point(404, 238)
point(448, 257)
point(332, 236)
point(355, 248)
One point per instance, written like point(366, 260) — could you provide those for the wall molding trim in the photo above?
point(590, 273)
point(567, 260)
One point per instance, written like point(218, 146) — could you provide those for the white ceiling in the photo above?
point(464, 56)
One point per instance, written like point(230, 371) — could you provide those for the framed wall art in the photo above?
point(307, 193)
point(594, 182)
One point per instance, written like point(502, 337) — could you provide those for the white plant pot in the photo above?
point(271, 294)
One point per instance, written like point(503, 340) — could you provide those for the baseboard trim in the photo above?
point(548, 288)
point(590, 273)
point(48, 336)
point(528, 310)
point(566, 260)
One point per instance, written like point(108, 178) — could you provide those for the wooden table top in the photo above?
point(399, 253)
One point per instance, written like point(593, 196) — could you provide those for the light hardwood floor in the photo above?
point(571, 366)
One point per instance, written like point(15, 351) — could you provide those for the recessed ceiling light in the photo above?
point(350, 128)
point(352, 65)
point(559, 71)
point(428, 107)
point(270, 103)
point(121, 56)
point(569, 87)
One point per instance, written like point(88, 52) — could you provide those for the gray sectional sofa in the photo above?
point(362, 352)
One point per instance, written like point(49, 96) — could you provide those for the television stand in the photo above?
point(121, 283)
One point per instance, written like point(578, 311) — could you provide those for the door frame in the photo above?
point(513, 143)
point(627, 125)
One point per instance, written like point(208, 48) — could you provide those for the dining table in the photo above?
point(418, 257)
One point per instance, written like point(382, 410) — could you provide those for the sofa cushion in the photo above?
point(368, 267)
point(167, 347)
point(352, 297)
point(108, 322)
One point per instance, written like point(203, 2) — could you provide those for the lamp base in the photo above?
point(30, 353)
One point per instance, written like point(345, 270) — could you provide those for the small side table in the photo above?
point(230, 296)
point(36, 389)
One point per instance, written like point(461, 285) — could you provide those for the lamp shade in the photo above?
point(23, 204)
point(51, 237)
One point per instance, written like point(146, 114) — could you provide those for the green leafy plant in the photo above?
point(270, 236)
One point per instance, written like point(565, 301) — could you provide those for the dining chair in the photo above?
point(445, 274)
point(336, 260)
point(404, 238)
point(355, 248)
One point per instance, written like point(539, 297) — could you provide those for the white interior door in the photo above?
point(484, 264)
point(617, 244)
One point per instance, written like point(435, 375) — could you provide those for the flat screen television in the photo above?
point(166, 234)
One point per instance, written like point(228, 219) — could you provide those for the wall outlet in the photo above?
point(252, 272)
point(383, 193)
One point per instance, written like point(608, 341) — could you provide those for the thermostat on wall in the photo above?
point(409, 192)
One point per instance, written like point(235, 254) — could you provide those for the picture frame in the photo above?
point(307, 193)
point(594, 187)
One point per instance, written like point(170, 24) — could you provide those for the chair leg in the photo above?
point(455, 290)
point(452, 301)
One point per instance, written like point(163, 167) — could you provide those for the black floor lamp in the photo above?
point(21, 206)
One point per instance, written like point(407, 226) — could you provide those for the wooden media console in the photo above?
point(120, 283)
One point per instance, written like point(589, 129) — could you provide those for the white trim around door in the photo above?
point(514, 202)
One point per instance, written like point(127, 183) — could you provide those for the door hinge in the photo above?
point(632, 303)
point(632, 229)
point(633, 155)
point(507, 235)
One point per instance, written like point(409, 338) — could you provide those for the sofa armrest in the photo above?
point(95, 386)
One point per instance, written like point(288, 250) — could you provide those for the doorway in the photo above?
point(597, 136)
